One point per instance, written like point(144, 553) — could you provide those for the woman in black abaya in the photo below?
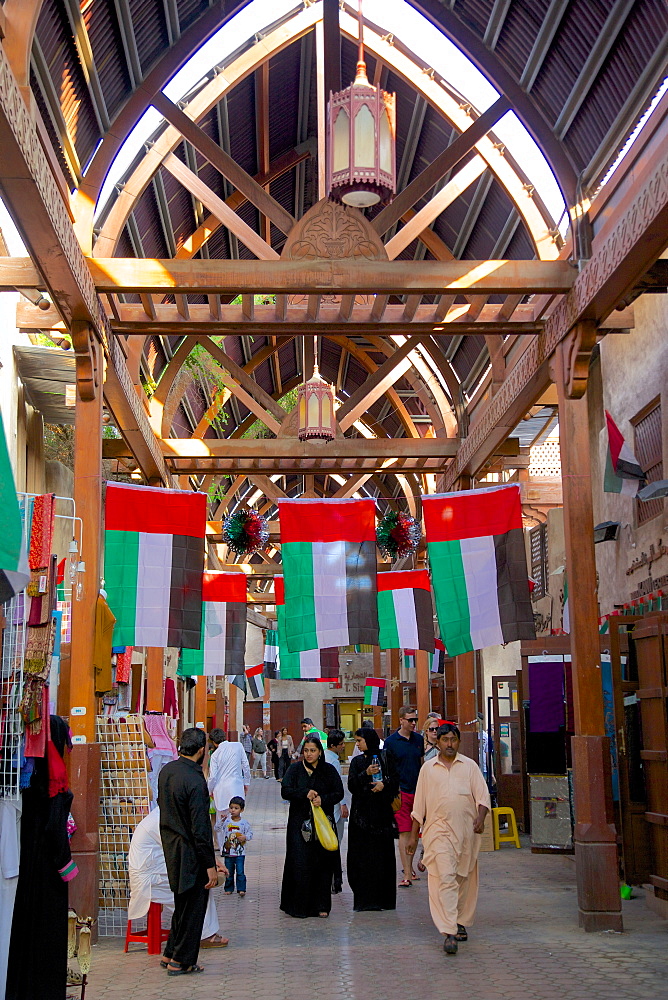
point(37, 965)
point(307, 875)
point(372, 867)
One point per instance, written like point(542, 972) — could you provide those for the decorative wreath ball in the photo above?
point(245, 531)
point(398, 535)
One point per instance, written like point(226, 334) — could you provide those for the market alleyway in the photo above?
point(525, 944)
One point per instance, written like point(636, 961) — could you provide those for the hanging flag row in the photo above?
point(330, 594)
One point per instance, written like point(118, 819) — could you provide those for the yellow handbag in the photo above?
point(324, 830)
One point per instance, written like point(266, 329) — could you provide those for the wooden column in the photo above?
point(422, 685)
point(232, 733)
point(155, 662)
point(200, 702)
point(85, 759)
point(220, 708)
point(88, 501)
point(595, 837)
point(466, 703)
point(393, 680)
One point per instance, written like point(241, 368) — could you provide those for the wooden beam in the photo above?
point(443, 163)
point(219, 208)
point(228, 167)
point(341, 449)
point(33, 198)
point(487, 277)
point(332, 46)
point(445, 319)
point(210, 224)
point(632, 247)
point(19, 272)
point(375, 385)
point(445, 197)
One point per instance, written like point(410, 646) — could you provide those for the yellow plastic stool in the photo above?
point(512, 836)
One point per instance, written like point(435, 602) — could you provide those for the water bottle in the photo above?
point(379, 775)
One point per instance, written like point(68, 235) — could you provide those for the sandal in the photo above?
point(405, 883)
point(461, 934)
point(414, 877)
point(421, 867)
point(216, 941)
point(184, 972)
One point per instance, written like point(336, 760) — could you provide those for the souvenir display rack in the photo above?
point(11, 690)
point(124, 802)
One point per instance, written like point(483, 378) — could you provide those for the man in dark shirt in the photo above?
point(185, 831)
point(407, 748)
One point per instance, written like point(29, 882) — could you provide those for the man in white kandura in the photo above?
point(229, 773)
point(149, 882)
point(451, 802)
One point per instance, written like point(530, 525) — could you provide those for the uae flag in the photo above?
point(437, 665)
point(329, 560)
point(239, 680)
point(405, 616)
point(622, 471)
point(409, 659)
point(478, 566)
point(255, 681)
point(309, 664)
point(374, 691)
point(223, 636)
point(14, 569)
point(153, 565)
point(271, 653)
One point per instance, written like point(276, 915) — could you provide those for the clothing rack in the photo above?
point(124, 801)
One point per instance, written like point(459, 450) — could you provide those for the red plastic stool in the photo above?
point(153, 936)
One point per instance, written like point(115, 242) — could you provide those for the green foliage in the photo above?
point(59, 444)
point(258, 429)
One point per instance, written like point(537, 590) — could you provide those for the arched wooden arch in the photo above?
point(274, 42)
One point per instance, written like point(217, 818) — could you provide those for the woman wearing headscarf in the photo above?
point(308, 870)
point(39, 923)
point(373, 782)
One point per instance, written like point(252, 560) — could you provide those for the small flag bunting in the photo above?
point(271, 666)
point(309, 664)
point(405, 615)
point(437, 665)
point(374, 691)
point(255, 681)
point(622, 474)
point(223, 636)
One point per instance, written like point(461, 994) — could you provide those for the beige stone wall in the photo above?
point(632, 374)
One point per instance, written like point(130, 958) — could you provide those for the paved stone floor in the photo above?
point(526, 942)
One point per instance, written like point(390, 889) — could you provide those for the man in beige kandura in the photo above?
point(451, 802)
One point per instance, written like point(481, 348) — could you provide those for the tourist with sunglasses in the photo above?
point(407, 748)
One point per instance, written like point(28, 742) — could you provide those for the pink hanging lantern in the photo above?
point(315, 408)
point(361, 162)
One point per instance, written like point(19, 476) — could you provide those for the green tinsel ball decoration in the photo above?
point(398, 534)
point(245, 531)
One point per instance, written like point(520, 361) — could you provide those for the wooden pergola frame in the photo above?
point(531, 344)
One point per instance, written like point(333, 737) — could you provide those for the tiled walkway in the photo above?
point(526, 942)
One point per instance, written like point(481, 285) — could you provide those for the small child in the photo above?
point(233, 835)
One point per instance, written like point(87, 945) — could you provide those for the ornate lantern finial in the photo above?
point(361, 165)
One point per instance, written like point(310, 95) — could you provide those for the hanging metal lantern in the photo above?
point(315, 407)
point(361, 161)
